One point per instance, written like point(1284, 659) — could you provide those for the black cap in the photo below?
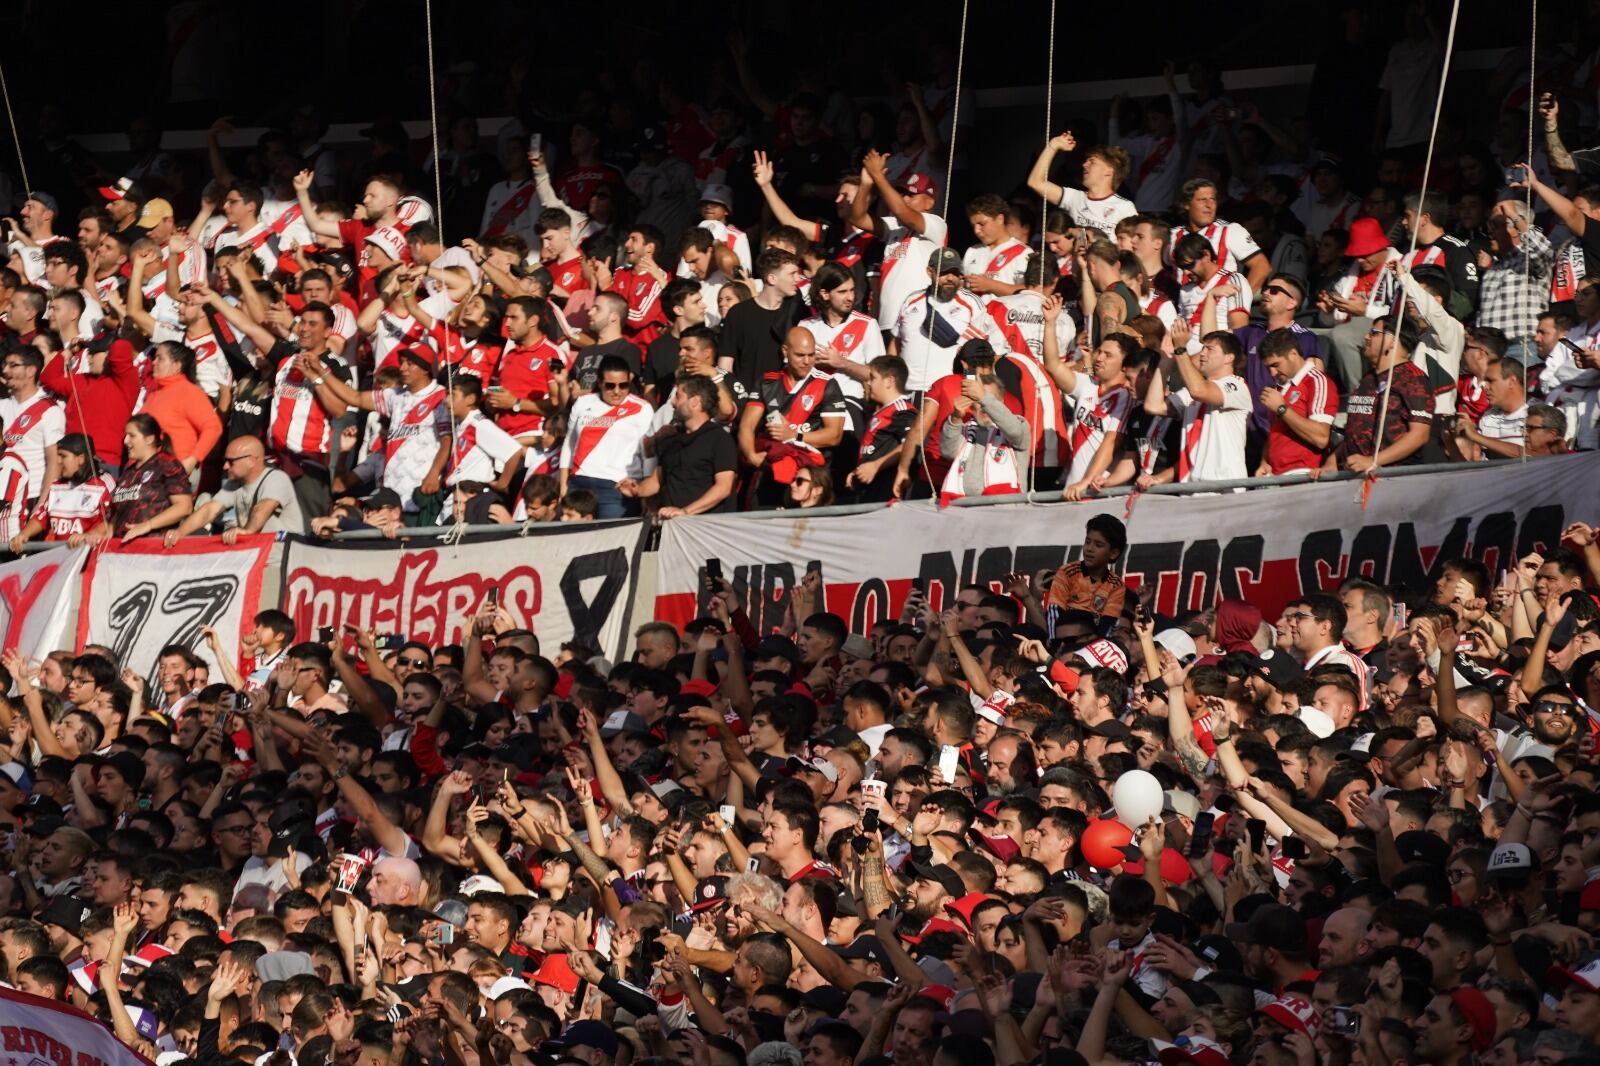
point(829, 1000)
point(711, 892)
point(777, 647)
point(945, 876)
point(128, 766)
point(1277, 668)
point(382, 498)
point(1274, 924)
point(1111, 729)
point(862, 947)
point(66, 911)
point(1419, 845)
point(43, 827)
point(38, 806)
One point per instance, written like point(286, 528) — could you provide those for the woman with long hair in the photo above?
point(78, 499)
point(153, 492)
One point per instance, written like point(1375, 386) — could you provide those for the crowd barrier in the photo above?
point(596, 583)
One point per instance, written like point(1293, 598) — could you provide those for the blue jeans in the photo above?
point(613, 504)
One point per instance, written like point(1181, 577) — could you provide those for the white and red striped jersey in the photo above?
point(930, 332)
point(480, 450)
point(298, 423)
point(68, 508)
point(13, 495)
point(905, 263)
point(394, 332)
point(1005, 262)
point(1211, 445)
point(1101, 215)
point(1568, 269)
point(1156, 303)
point(1041, 406)
point(1231, 241)
point(1099, 412)
point(603, 439)
point(260, 240)
point(856, 336)
point(1192, 297)
point(211, 370)
point(415, 424)
point(344, 322)
point(730, 235)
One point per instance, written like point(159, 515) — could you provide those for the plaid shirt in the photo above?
point(1516, 288)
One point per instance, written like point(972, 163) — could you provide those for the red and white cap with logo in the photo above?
point(1197, 1050)
point(118, 190)
point(1586, 977)
point(390, 240)
point(1104, 653)
point(916, 183)
point(1292, 1012)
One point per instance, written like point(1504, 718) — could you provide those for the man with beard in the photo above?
point(928, 890)
point(1011, 765)
point(935, 321)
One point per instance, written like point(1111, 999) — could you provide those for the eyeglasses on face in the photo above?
point(421, 664)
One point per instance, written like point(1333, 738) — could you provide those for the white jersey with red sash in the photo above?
point(1005, 262)
point(393, 334)
point(211, 370)
point(506, 206)
point(1192, 302)
point(603, 439)
point(1232, 243)
point(983, 444)
point(259, 240)
point(1020, 317)
point(67, 508)
point(856, 337)
point(1100, 412)
point(905, 262)
point(417, 422)
point(480, 450)
point(731, 237)
point(31, 426)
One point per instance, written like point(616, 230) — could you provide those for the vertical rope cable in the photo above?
point(1044, 203)
point(438, 221)
point(16, 138)
point(1427, 168)
point(955, 112)
point(1527, 260)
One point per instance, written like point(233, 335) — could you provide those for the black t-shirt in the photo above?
point(586, 367)
point(690, 461)
point(661, 364)
point(752, 337)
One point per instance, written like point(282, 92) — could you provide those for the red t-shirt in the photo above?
point(1311, 393)
point(525, 372)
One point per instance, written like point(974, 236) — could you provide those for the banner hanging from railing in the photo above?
point(36, 596)
point(39, 1030)
point(140, 597)
point(565, 583)
point(1267, 546)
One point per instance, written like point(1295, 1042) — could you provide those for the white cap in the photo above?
point(1318, 722)
point(479, 883)
point(507, 984)
point(1179, 643)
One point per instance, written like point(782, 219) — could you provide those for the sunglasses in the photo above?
point(613, 386)
point(1280, 290)
point(1556, 707)
point(421, 664)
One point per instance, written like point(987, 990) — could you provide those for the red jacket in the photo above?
point(98, 404)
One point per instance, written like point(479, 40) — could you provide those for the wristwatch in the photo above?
point(318, 381)
point(517, 407)
point(341, 773)
point(1282, 407)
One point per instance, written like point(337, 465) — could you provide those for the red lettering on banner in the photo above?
point(20, 600)
point(411, 601)
point(33, 1042)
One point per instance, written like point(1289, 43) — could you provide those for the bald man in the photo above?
point(1342, 934)
point(395, 882)
point(254, 497)
point(793, 417)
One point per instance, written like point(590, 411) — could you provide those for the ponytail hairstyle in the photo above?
point(149, 427)
point(183, 354)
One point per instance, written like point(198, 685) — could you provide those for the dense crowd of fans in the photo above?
point(1034, 824)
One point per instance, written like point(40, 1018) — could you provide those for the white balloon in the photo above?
point(1137, 797)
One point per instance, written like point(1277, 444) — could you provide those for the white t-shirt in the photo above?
point(45, 426)
point(1211, 443)
point(927, 359)
point(1501, 425)
point(905, 262)
point(1412, 79)
point(603, 439)
point(1102, 215)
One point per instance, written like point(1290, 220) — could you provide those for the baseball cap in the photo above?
point(1277, 669)
point(827, 999)
point(622, 722)
point(916, 183)
point(945, 876)
point(866, 946)
point(1103, 652)
point(38, 806)
point(1274, 924)
point(962, 908)
point(154, 211)
point(945, 261)
point(420, 354)
point(697, 687)
point(1419, 845)
point(68, 912)
point(943, 995)
point(122, 189)
point(1479, 1013)
point(43, 827)
point(1179, 643)
point(1318, 721)
point(1514, 862)
point(777, 647)
point(1195, 1049)
point(716, 193)
point(1111, 729)
point(1291, 1011)
point(46, 199)
point(588, 1034)
point(478, 883)
point(506, 984)
point(711, 892)
point(1587, 976)
point(381, 498)
point(1180, 802)
point(390, 240)
point(819, 765)
point(282, 965)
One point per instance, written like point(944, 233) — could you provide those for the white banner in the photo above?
point(141, 597)
point(1268, 546)
point(36, 597)
point(559, 583)
point(41, 1030)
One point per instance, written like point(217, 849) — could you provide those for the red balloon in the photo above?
point(1102, 843)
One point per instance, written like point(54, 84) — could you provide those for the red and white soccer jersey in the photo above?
point(1102, 215)
point(1211, 444)
point(260, 240)
point(344, 323)
point(1041, 406)
point(1020, 317)
point(512, 207)
point(299, 424)
point(856, 336)
point(1005, 262)
point(417, 422)
point(67, 508)
point(1099, 412)
point(567, 275)
point(603, 439)
point(905, 263)
point(645, 318)
point(479, 357)
point(480, 450)
point(13, 495)
point(1310, 393)
point(211, 370)
point(395, 332)
point(31, 426)
point(1231, 241)
point(930, 332)
point(1191, 299)
point(1156, 303)
point(731, 236)
point(525, 373)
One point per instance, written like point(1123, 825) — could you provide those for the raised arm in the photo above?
point(780, 210)
point(874, 163)
point(1039, 177)
point(389, 836)
point(320, 227)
